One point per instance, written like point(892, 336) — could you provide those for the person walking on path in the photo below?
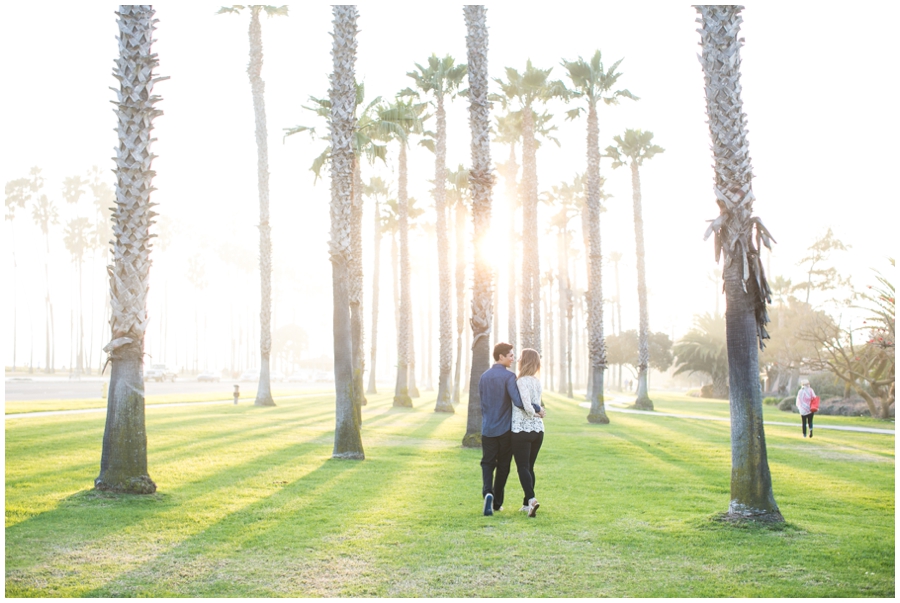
point(528, 426)
point(498, 391)
point(804, 398)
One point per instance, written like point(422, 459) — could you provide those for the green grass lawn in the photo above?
point(251, 504)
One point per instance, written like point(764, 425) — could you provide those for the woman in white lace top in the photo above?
point(528, 426)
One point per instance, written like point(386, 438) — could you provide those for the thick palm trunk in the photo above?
point(413, 387)
point(123, 461)
point(258, 87)
point(348, 420)
point(643, 399)
point(401, 390)
point(376, 271)
point(746, 289)
point(597, 343)
point(480, 181)
point(444, 402)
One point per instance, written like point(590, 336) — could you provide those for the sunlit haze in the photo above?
point(817, 92)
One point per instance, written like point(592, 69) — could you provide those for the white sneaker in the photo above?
point(524, 509)
point(533, 505)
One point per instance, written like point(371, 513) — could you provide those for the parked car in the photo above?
point(301, 377)
point(208, 376)
point(250, 375)
point(159, 372)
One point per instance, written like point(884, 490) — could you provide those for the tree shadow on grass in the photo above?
point(304, 524)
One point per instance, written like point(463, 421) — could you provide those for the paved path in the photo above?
point(609, 407)
point(728, 420)
point(80, 411)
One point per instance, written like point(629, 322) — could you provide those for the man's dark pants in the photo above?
point(496, 453)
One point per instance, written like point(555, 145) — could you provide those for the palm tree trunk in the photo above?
point(531, 270)
point(746, 290)
point(480, 181)
point(357, 319)
point(413, 387)
point(348, 420)
point(460, 232)
point(643, 399)
point(563, 282)
point(512, 326)
point(444, 402)
point(401, 391)
point(597, 343)
point(376, 270)
point(548, 312)
point(123, 462)
point(258, 87)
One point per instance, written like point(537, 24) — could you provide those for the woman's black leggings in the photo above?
point(807, 419)
point(525, 448)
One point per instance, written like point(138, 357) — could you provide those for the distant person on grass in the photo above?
point(528, 426)
point(498, 391)
point(804, 398)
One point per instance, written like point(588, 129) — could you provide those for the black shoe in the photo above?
point(488, 504)
point(810, 433)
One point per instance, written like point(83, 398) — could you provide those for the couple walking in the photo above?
point(511, 425)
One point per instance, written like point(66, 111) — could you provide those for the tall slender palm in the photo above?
point(77, 239)
point(258, 87)
point(509, 131)
point(378, 190)
point(738, 235)
point(526, 91)
point(459, 181)
point(442, 79)
point(407, 117)
point(564, 197)
point(592, 82)
point(342, 94)
point(123, 464)
point(480, 182)
point(615, 257)
point(374, 126)
point(17, 197)
point(632, 149)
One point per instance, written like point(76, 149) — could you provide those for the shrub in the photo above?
point(706, 391)
point(826, 385)
point(788, 404)
point(693, 393)
point(771, 401)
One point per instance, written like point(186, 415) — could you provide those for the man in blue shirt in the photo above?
point(498, 391)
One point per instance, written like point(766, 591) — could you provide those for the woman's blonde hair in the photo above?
point(529, 362)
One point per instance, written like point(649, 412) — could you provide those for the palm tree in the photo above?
point(746, 289)
point(45, 214)
point(17, 197)
point(480, 183)
point(565, 196)
point(459, 181)
point(123, 464)
point(509, 131)
point(441, 78)
point(348, 413)
point(526, 90)
point(633, 148)
point(378, 190)
point(703, 350)
point(376, 124)
point(77, 239)
point(407, 117)
point(257, 86)
point(591, 81)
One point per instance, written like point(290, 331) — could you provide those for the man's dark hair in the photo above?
point(501, 349)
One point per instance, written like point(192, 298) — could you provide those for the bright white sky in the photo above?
point(817, 91)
